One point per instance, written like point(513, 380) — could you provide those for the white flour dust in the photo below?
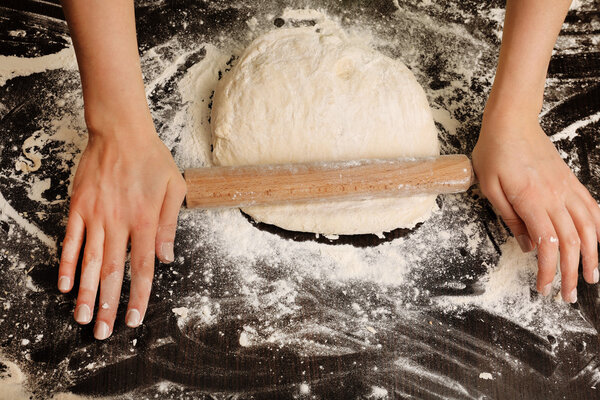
point(390, 273)
point(390, 265)
point(509, 291)
point(12, 66)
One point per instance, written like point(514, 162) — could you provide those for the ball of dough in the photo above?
point(307, 94)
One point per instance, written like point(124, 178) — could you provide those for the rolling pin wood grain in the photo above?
point(245, 186)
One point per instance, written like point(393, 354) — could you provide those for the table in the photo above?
point(248, 310)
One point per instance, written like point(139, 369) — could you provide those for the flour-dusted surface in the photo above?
point(446, 310)
point(317, 93)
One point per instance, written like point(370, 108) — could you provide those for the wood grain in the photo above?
point(220, 187)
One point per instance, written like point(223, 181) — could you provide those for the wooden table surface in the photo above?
point(415, 349)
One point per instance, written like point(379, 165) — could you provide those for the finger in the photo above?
point(142, 272)
point(569, 244)
point(70, 251)
point(592, 206)
point(586, 230)
point(167, 223)
point(510, 217)
point(90, 274)
point(541, 229)
point(111, 279)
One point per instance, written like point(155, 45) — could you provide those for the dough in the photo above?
point(311, 94)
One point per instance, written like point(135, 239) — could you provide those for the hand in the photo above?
point(127, 187)
point(539, 198)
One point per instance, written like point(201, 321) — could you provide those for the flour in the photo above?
point(390, 265)
point(14, 385)
point(7, 211)
point(378, 393)
point(12, 66)
point(486, 376)
point(313, 298)
point(67, 132)
point(509, 291)
point(570, 132)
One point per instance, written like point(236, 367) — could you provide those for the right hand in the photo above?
point(540, 199)
point(127, 188)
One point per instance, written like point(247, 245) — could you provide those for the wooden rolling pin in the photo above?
point(355, 180)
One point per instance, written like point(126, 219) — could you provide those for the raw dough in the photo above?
point(312, 94)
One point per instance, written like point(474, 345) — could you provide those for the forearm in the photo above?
point(530, 31)
point(104, 37)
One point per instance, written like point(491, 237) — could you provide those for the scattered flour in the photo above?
point(7, 211)
point(378, 393)
point(570, 132)
point(509, 291)
point(12, 66)
point(506, 288)
point(486, 376)
point(392, 268)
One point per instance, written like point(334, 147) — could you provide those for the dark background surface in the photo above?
point(445, 350)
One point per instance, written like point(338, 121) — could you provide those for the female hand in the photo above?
point(127, 187)
point(539, 198)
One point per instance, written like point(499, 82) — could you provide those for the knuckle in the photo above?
point(513, 222)
point(568, 273)
point(69, 240)
point(67, 261)
point(181, 187)
point(572, 239)
point(92, 259)
point(145, 262)
point(98, 208)
point(110, 267)
point(548, 239)
point(86, 294)
point(77, 200)
point(588, 199)
point(486, 189)
point(525, 191)
point(166, 231)
point(69, 255)
point(108, 303)
point(545, 267)
point(588, 229)
point(547, 263)
point(141, 284)
point(143, 224)
point(589, 259)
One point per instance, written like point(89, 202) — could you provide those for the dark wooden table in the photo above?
point(416, 350)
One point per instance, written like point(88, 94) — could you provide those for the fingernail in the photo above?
point(595, 275)
point(572, 297)
point(101, 331)
point(132, 319)
point(83, 314)
point(166, 251)
point(524, 243)
point(64, 283)
point(546, 289)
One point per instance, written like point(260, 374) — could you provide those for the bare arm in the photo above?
point(104, 37)
point(127, 186)
point(530, 31)
point(521, 172)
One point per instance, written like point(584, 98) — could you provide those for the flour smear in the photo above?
point(377, 284)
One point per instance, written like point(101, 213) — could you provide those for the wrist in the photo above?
point(111, 119)
point(512, 107)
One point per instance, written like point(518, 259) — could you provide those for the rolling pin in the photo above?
point(243, 186)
